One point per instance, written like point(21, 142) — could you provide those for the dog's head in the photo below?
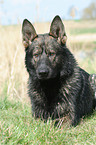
point(44, 53)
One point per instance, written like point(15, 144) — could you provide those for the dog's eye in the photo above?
point(36, 55)
point(51, 54)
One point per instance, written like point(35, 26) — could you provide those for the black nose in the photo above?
point(43, 73)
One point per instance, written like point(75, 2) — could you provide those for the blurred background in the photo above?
point(14, 11)
point(79, 18)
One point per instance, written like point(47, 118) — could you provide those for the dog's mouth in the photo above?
point(45, 75)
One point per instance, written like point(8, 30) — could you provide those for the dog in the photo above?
point(57, 86)
point(92, 80)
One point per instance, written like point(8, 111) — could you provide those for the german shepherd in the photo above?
point(58, 87)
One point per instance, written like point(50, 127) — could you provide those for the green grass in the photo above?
point(18, 127)
point(79, 31)
point(88, 64)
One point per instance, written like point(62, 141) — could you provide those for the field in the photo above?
point(16, 123)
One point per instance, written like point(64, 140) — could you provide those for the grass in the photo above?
point(18, 127)
point(16, 123)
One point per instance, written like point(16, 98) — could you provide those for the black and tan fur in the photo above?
point(58, 87)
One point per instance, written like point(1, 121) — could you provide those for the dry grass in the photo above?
point(13, 75)
point(12, 69)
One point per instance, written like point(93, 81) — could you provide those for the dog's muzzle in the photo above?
point(43, 73)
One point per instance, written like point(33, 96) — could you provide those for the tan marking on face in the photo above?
point(36, 55)
point(25, 44)
point(64, 39)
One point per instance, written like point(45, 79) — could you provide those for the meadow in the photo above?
point(16, 123)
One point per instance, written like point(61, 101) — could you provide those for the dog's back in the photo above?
point(92, 80)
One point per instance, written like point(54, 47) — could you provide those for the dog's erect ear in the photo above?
point(57, 30)
point(28, 32)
